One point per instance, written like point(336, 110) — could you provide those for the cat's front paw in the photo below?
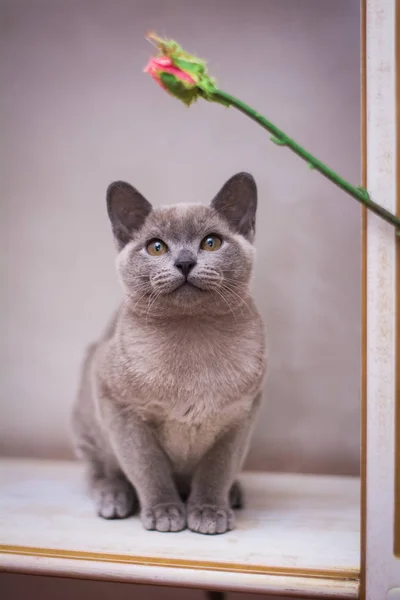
point(164, 517)
point(210, 519)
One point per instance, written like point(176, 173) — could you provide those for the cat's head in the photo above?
point(185, 259)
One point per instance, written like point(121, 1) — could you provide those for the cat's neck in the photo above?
point(237, 315)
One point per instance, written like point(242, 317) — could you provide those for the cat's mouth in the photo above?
point(190, 284)
point(186, 288)
point(190, 287)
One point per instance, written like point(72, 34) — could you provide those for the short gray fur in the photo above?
point(170, 392)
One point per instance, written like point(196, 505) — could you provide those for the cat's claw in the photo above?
point(164, 517)
point(210, 519)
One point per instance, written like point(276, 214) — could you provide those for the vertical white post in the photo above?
point(382, 567)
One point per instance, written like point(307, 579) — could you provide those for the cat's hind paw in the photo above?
point(115, 499)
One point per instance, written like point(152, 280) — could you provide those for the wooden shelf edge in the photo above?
point(193, 565)
point(288, 585)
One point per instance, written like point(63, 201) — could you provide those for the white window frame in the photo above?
point(380, 568)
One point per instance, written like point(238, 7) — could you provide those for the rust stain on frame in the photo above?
point(363, 298)
point(397, 297)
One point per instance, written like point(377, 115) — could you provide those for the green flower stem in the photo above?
point(281, 139)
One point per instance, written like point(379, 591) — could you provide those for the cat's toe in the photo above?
point(115, 500)
point(210, 519)
point(164, 517)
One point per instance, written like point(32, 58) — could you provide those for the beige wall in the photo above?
point(77, 113)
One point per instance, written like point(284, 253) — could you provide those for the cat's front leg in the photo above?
point(147, 467)
point(209, 507)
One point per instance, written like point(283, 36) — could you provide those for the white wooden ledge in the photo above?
point(298, 535)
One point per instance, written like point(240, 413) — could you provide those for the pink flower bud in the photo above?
point(163, 64)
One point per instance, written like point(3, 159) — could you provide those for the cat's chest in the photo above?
point(195, 372)
point(186, 441)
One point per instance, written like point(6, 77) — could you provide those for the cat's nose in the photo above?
point(185, 266)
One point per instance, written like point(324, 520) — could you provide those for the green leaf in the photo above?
point(189, 66)
point(177, 88)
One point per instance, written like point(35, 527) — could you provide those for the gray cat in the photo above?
point(170, 392)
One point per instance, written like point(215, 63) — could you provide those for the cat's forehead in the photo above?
point(183, 221)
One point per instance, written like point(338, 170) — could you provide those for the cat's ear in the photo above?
point(127, 209)
point(236, 202)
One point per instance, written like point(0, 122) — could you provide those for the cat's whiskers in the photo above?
point(228, 289)
point(236, 284)
point(152, 299)
point(136, 289)
point(139, 300)
point(123, 304)
point(219, 292)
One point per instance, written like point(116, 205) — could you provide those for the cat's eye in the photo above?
point(211, 243)
point(156, 248)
